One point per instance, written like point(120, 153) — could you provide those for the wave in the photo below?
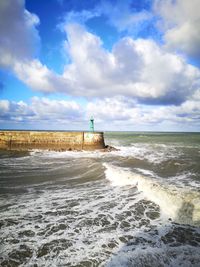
point(68, 154)
point(153, 153)
point(179, 204)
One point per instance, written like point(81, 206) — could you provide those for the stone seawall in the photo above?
point(60, 141)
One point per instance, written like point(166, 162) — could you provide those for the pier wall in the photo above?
point(50, 140)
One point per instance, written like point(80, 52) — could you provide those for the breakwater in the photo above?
point(51, 140)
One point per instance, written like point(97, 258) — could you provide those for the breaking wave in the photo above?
point(179, 204)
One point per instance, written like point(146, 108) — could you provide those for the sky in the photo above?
point(133, 65)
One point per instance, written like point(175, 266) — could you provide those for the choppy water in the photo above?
point(139, 206)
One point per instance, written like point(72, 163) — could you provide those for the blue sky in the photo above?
point(132, 65)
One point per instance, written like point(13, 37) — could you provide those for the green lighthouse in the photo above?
point(91, 124)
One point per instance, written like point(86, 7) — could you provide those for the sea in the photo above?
point(136, 206)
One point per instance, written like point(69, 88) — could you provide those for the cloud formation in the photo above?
point(123, 16)
point(136, 80)
point(135, 68)
point(38, 77)
point(19, 38)
point(39, 110)
point(120, 14)
point(122, 112)
point(119, 112)
point(180, 22)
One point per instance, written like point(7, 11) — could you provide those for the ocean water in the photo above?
point(139, 206)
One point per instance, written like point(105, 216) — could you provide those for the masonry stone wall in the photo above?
point(60, 141)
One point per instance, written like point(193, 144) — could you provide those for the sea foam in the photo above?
point(181, 205)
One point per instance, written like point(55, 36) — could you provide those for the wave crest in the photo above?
point(181, 205)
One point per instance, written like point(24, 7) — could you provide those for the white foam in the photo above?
point(184, 180)
point(146, 172)
point(156, 256)
point(69, 154)
point(154, 153)
point(91, 203)
point(177, 203)
point(122, 178)
point(45, 207)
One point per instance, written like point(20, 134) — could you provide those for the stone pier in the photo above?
point(51, 140)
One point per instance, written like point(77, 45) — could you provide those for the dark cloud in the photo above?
point(175, 99)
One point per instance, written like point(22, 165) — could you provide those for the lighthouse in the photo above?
point(91, 124)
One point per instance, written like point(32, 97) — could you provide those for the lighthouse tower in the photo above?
point(91, 124)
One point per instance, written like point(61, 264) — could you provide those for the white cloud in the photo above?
point(4, 106)
point(135, 68)
point(181, 24)
point(19, 38)
point(120, 110)
point(123, 112)
point(112, 109)
point(40, 110)
point(139, 69)
point(38, 76)
point(61, 110)
point(109, 113)
point(123, 17)
point(79, 17)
